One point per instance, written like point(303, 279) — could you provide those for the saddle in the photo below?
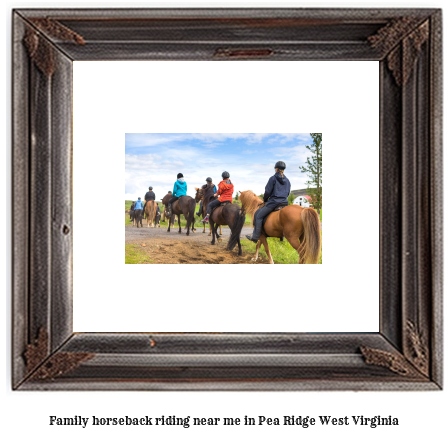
point(279, 207)
point(177, 200)
point(222, 205)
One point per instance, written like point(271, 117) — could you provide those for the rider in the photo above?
point(180, 189)
point(225, 192)
point(138, 205)
point(209, 183)
point(149, 196)
point(276, 192)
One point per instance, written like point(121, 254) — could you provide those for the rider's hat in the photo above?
point(209, 179)
point(225, 174)
point(150, 187)
point(280, 165)
point(179, 175)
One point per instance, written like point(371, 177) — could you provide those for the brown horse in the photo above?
point(300, 226)
point(200, 197)
point(232, 215)
point(150, 212)
point(184, 205)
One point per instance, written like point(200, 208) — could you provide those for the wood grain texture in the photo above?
point(20, 187)
point(406, 354)
point(436, 195)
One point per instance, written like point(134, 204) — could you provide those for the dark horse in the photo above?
point(205, 194)
point(233, 216)
point(185, 205)
point(131, 212)
point(138, 217)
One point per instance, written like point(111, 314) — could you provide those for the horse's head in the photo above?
point(199, 194)
point(250, 201)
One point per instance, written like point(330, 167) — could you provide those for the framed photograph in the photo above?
point(183, 347)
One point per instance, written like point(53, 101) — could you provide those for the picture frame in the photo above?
point(406, 353)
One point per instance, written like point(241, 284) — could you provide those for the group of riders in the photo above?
point(276, 194)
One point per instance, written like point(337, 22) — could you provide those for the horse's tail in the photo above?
point(313, 239)
point(191, 209)
point(236, 229)
point(152, 210)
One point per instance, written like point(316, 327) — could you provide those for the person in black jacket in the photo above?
point(276, 192)
point(149, 196)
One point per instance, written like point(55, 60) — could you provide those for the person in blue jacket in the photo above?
point(209, 182)
point(138, 205)
point(180, 189)
point(276, 192)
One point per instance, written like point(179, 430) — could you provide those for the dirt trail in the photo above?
point(171, 248)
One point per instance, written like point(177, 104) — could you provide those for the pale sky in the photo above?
point(156, 159)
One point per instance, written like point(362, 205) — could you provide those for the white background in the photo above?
point(113, 98)
point(420, 414)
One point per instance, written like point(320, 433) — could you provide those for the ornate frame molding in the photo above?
point(406, 354)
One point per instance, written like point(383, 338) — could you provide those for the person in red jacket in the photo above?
point(225, 192)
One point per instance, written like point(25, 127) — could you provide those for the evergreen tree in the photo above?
point(313, 169)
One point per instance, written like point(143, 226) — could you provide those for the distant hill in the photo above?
point(300, 192)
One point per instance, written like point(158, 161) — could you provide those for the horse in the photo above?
point(165, 200)
point(200, 197)
point(157, 219)
point(300, 226)
point(138, 216)
point(184, 205)
point(150, 212)
point(232, 215)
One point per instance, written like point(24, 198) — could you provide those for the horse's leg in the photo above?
point(264, 241)
point(220, 230)
point(212, 228)
point(187, 227)
point(169, 223)
point(240, 251)
point(216, 232)
point(193, 229)
point(299, 247)
point(178, 220)
point(257, 248)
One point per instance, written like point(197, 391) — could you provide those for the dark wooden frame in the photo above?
point(406, 353)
